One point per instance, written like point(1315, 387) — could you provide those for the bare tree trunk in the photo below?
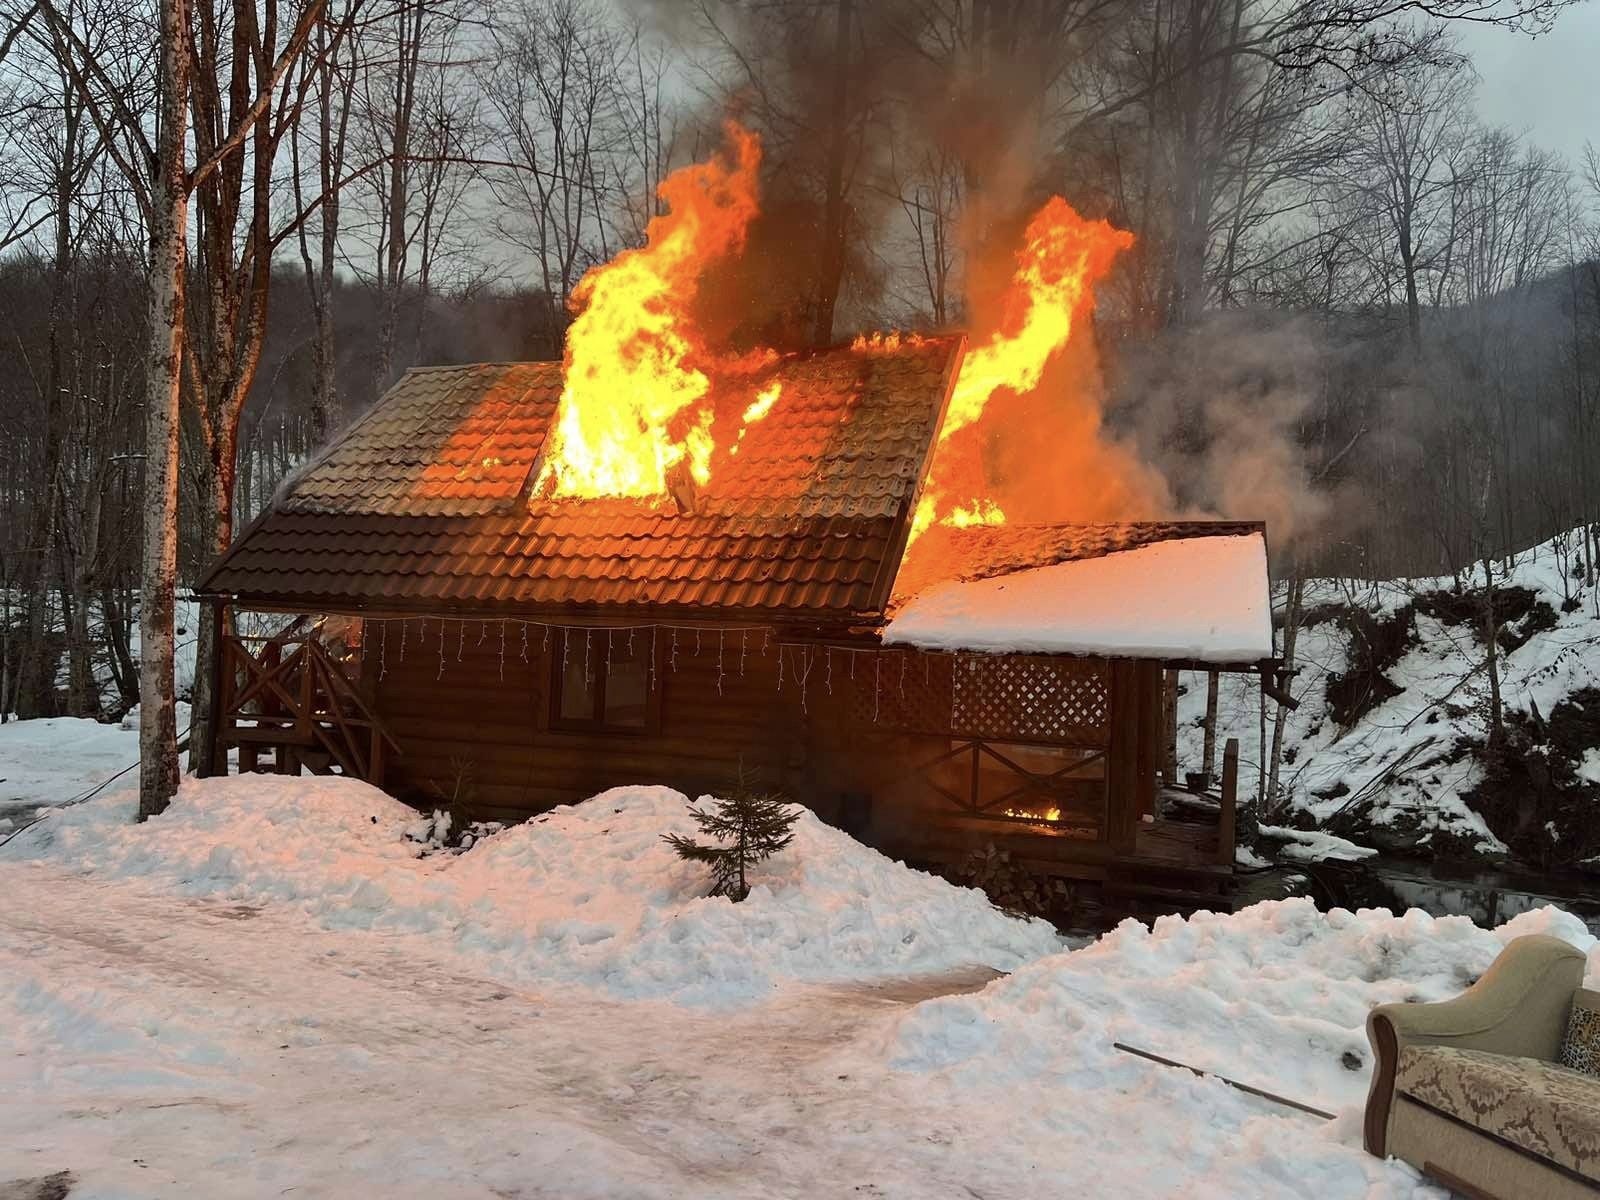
point(124, 673)
point(5, 648)
point(1293, 607)
point(1491, 631)
point(1208, 753)
point(1408, 260)
point(80, 563)
point(37, 662)
point(831, 276)
point(220, 477)
point(83, 696)
point(319, 269)
point(398, 195)
point(158, 721)
point(38, 654)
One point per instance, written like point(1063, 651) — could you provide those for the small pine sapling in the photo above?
point(748, 827)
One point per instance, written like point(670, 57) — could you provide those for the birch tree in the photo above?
point(222, 61)
point(158, 576)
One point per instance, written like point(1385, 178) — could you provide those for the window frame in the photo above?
point(601, 663)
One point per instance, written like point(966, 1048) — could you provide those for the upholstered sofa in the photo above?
point(1470, 1092)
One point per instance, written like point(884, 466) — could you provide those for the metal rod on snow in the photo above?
point(1233, 1083)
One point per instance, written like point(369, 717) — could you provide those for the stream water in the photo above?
point(1489, 897)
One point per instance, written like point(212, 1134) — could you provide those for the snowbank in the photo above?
point(1314, 846)
point(52, 760)
point(585, 894)
point(1275, 996)
point(1201, 598)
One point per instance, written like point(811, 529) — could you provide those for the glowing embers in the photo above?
point(1048, 815)
point(884, 343)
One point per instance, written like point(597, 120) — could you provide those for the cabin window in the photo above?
point(601, 680)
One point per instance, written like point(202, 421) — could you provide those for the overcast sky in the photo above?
point(1549, 86)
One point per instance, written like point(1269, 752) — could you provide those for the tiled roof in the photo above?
point(423, 504)
point(986, 551)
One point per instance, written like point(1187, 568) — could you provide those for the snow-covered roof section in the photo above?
point(1191, 598)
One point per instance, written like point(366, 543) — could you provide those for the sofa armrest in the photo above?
point(1518, 1007)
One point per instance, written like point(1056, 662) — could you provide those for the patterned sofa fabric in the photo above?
point(1537, 1106)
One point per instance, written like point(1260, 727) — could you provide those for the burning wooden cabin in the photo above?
point(511, 650)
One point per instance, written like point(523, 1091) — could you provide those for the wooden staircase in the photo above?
point(291, 707)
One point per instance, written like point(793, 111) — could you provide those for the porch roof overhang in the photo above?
point(1197, 599)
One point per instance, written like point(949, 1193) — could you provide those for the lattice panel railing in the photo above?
point(1065, 701)
point(1024, 698)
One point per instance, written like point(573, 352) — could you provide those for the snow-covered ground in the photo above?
point(1403, 762)
point(589, 894)
point(54, 761)
point(266, 992)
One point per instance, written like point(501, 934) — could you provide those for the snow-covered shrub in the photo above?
point(1376, 643)
point(1539, 792)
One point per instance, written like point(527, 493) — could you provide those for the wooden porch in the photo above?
point(1053, 759)
point(285, 704)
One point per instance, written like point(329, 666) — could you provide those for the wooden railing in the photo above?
point(292, 700)
point(1078, 800)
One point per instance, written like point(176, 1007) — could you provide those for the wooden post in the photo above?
point(1149, 755)
point(302, 719)
point(1122, 774)
point(1230, 799)
point(1169, 730)
point(210, 752)
point(1208, 753)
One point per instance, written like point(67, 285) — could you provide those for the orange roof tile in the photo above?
point(424, 503)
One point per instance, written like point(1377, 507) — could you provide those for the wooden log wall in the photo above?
point(489, 714)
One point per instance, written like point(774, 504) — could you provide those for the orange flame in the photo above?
point(1050, 813)
point(982, 511)
point(636, 416)
point(758, 410)
point(1062, 257)
point(635, 404)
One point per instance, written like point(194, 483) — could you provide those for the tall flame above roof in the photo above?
point(635, 407)
point(649, 408)
point(1062, 257)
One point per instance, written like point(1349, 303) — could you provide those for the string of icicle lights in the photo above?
point(734, 645)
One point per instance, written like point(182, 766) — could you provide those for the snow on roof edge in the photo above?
point(1202, 599)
